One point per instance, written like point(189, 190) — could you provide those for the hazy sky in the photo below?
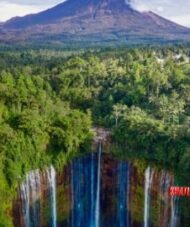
point(176, 10)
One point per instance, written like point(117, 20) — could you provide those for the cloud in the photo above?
point(176, 10)
point(12, 8)
point(182, 19)
point(33, 2)
point(8, 10)
point(160, 9)
point(140, 5)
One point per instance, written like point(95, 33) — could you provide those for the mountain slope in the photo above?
point(92, 20)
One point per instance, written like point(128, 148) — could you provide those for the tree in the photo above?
point(118, 111)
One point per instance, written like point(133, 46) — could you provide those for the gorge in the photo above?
point(53, 171)
point(97, 190)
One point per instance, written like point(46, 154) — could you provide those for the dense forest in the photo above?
point(50, 101)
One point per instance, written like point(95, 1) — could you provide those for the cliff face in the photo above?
point(123, 189)
point(92, 20)
point(40, 202)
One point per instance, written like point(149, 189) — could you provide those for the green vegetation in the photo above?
point(50, 99)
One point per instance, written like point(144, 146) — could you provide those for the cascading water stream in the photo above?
point(164, 186)
point(97, 208)
point(98, 185)
point(166, 180)
point(51, 175)
point(123, 184)
point(24, 193)
point(35, 188)
point(128, 194)
point(92, 197)
point(174, 212)
point(72, 195)
point(146, 196)
point(147, 186)
point(76, 184)
point(30, 196)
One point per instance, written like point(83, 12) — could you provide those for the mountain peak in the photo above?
point(93, 20)
point(66, 9)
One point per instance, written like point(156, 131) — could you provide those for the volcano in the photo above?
point(92, 21)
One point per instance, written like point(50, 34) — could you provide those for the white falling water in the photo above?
point(97, 209)
point(92, 190)
point(51, 175)
point(35, 191)
point(165, 183)
point(174, 212)
point(24, 192)
point(148, 181)
point(128, 193)
point(30, 194)
point(72, 193)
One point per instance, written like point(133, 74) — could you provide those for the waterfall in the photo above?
point(78, 186)
point(148, 181)
point(114, 195)
point(30, 195)
point(174, 217)
point(35, 190)
point(85, 192)
point(72, 194)
point(51, 175)
point(24, 194)
point(128, 191)
point(174, 212)
point(92, 197)
point(169, 209)
point(123, 184)
point(97, 208)
point(164, 198)
point(81, 194)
